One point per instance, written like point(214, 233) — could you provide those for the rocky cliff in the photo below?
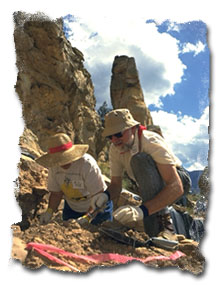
point(53, 86)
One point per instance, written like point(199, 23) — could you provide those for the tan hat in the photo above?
point(61, 151)
point(117, 121)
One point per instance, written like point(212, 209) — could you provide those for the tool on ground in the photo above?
point(154, 241)
point(88, 217)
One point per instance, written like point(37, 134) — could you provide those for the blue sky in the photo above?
point(173, 63)
point(194, 53)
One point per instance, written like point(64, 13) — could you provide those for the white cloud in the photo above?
point(196, 49)
point(187, 136)
point(173, 27)
point(156, 54)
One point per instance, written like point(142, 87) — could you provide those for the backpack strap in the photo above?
point(140, 131)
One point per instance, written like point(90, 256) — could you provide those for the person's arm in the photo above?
point(112, 192)
point(115, 187)
point(54, 200)
point(170, 193)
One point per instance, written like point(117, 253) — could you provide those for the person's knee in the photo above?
point(141, 159)
point(146, 175)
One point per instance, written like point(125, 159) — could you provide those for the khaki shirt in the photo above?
point(78, 183)
point(150, 143)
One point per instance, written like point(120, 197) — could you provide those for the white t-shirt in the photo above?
point(81, 181)
point(150, 143)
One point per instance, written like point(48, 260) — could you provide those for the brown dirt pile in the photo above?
point(88, 240)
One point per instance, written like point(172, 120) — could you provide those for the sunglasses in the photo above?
point(118, 135)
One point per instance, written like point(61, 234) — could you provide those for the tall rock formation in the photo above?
point(126, 91)
point(53, 86)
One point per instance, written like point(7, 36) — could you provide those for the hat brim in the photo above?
point(119, 128)
point(64, 157)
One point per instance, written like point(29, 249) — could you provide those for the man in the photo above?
point(148, 161)
point(74, 175)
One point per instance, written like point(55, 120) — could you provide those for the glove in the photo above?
point(46, 216)
point(99, 200)
point(127, 214)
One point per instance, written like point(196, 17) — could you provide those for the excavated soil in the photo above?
point(88, 240)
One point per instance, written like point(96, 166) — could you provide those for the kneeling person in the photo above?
point(148, 161)
point(75, 176)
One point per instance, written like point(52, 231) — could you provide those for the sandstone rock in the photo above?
point(53, 86)
point(126, 90)
point(29, 145)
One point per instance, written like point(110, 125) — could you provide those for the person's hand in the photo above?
point(99, 200)
point(127, 214)
point(46, 216)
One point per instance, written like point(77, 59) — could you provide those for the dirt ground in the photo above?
point(85, 240)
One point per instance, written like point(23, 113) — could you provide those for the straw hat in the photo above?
point(61, 151)
point(118, 121)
